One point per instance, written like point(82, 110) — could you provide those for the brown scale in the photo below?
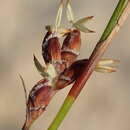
point(71, 47)
point(38, 99)
point(51, 50)
point(70, 74)
point(50, 45)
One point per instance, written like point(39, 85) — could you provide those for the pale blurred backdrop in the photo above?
point(104, 104)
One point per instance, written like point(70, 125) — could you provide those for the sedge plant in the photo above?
point(61, 67)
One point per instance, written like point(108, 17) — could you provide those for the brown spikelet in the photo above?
point(70, 74)
point(38, 99)
point(71, 47)
point(51, 51)
point(54, 50)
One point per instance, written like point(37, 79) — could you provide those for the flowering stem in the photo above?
point(63, 111)
point(119, 15)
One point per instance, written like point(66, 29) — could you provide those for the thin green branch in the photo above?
point(114, 19)
point(64, 109)
point(119, 15)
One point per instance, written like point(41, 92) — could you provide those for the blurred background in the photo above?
point(105, 101)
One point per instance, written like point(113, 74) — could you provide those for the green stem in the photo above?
point(62, 113)
point(96, 55)
point(114, 19)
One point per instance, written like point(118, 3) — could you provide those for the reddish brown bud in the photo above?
point(38, 99)
point(71, 74)
point(54, 50)
point(51, 51)
point(71, 47)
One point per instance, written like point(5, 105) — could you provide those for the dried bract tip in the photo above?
point(49, 28)
point(24, 87)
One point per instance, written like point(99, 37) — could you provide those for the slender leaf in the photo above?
point(39, 67)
